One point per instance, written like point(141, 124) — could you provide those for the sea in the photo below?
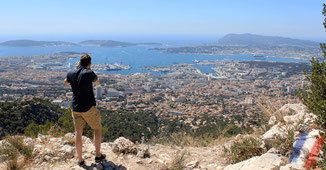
point(135, 56)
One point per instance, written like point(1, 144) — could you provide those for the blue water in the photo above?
point(137, 56)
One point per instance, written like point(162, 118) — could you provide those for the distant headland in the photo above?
point(101, 43)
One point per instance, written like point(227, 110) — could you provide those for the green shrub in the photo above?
point(314, 95)
point(284, 144)
point(246, 148)
point(32, 130)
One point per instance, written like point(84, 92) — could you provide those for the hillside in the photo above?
point(253, 39)
point(16, 116)
point(31, 43)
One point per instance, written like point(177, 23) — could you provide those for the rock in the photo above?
point(42, 137)
point(277, 129)
point(123, 145)
point(273, 150)
point(56, 159)
point(69, 136)
point(149, 161)
point(272, 120)
point(229, 143)
point(28, 141)
point(293, 114)
point(143, 152)
point(67, 152)
point(47, 151)
point(303, 128)
point(291, 109)
point(47, 157)
point(38, 160)
point(294, 119)
point(192, 164)
point(211, 166)
point(265, 161)
point(87, 140)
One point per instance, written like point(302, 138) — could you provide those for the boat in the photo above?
point(259, 57)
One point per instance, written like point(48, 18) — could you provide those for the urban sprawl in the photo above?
point(236, 88)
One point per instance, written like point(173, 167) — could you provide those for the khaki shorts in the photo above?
point(92, 117)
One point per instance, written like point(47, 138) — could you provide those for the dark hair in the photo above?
point(85, 60)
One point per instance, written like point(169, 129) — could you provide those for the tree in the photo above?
point(314, 95)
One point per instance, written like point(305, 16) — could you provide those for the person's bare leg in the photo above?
point(97, 141)
point(79, 144)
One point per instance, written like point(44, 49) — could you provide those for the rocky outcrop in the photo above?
point(265, 161)
point(307, 141)
point(59, 153)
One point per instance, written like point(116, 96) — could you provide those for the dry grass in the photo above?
point(13, 149)
point(55, 131)
point(178, 161)
point(250, 146)
point(244, 149)
point(186, 140)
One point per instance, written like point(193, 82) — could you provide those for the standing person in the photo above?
point(83, 105)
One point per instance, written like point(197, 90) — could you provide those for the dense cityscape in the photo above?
point(237, 91)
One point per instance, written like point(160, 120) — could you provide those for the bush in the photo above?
point(178, 161)
point(13, 148)
point(246, 148)
point(314, 95)
point(284, 144)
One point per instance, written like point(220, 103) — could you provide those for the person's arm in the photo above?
point(95, 79)
point(97, 82)
point(66, 82)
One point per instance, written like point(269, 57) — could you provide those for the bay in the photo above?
point(135, 56)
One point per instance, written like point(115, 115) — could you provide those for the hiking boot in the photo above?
point(101, 158)
point(82, 164)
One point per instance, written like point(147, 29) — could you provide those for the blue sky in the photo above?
point(55, 19)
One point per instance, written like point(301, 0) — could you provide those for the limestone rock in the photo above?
point(265, 161)
point(192, 164)
point(143, 152)
point(123, 145)
point(69, 136)
point(67, 152)
point(272, 120)
point(28, 141)
point(292, 113)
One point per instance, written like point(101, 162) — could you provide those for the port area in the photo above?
point(111, 67)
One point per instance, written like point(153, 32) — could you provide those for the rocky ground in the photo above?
point(59, 153)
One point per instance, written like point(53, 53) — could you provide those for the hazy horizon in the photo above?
point(168, 39)
point(161, 21)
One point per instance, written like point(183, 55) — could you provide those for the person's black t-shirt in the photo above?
point(81, 81)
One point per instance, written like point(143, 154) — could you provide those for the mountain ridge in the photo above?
point(255, 39)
